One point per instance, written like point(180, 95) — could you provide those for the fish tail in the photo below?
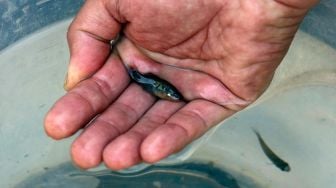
point(256, 132)
point(133, 74)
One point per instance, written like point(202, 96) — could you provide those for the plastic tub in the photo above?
point(296, 116)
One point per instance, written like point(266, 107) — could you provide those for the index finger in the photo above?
point(85, 101)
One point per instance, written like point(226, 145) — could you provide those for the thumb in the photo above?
point(89, 38)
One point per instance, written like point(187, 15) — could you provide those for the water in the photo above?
point(292, 115)
point(296, 117)
point(186, 175)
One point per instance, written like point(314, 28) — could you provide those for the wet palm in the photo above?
point(220, 55)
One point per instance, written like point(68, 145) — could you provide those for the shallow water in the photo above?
point(292, 115)
point(186, 175)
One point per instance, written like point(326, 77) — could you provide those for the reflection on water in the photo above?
point(182, 175)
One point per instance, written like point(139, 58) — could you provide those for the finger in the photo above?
point(88, 38)
point(124, 151)
point(207, 87)
point(183, 127)
point(297, 4)
point(119, 117)
point(89, 98)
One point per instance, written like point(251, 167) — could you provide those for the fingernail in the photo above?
point(65, 85)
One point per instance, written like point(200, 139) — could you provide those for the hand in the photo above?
point(221, 55)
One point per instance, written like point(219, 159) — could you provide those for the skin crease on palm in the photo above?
point(221, 55)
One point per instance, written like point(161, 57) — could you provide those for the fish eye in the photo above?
point(173, 95)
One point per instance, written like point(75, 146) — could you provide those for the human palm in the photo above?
point(220, 55)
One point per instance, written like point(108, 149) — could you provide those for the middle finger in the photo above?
point(124, 151)
point(119, 117)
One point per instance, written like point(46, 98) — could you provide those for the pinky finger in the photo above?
point(182, 128)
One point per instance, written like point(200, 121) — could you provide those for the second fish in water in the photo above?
point(277, 161)
point(156, 86)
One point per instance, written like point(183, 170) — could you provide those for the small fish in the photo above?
point(155, 85)
point(277, 161)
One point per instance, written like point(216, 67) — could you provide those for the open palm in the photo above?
point(221, 55)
